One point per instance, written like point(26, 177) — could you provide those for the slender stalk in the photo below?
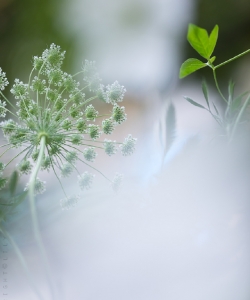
point(217, 86)
point(36, 230)
point(7, 100)
point(231, 59)
point(23, 263)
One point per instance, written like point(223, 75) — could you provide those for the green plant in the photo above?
point(53, 119)
point(205, 44)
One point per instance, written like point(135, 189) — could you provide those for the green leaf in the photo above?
point(19, 198)
point(237, 101)
point(193, 102)
point(189, 66)
point(212, 59)
point(13, 182)
point(205, 92)
point(199, 40)
point(215, 108)
point(213, 39)
point(230, 91)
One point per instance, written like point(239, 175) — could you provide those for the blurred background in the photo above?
point(164, 237)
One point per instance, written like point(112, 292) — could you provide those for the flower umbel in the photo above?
point(52, 111)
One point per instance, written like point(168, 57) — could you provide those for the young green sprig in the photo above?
point(204, 44)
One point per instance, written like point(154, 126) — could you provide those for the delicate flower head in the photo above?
point(24, 167)
point(55, 76)
point(118, 114)
point(8, 127)
point(55, 119)
point(2, 166)
point(3, 110)
point(53, 56)
point(108, 126)
point(110, 147)
point(101, 93)
point(70, 84)
point(40, 186)
point(89, 70)
point(46, 163)
point(89, 154)
point(90, 113)
point(77, 97)
point(91, 76)
point(94, 131)
point(115, 92)
point(81, 125)
point(3, 80)
point(74, 111)
point(128, 147)
point(117, 182)
point(67, 124)
point(69, 202)
point(38, 85)
point(53, 95)
point(85, 180)
point(66, 169)
point(3, 182)
point(76, 139)
point(71, 157)
point(19, 89)
point(37, 63)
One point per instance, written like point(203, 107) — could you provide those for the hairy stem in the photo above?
point(36, 230)
point(231, 59)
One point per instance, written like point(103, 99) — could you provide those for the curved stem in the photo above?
point(36, 230)
point(217, 86)
point(23, 263)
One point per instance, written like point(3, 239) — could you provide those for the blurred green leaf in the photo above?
point(215, 108)
point(194, 103)
point(213, 40)
point(212, 59)
point(237, 101)
point(230, 91)
point(199, 40)
point(13, 182)
point(205, 92)
point(189, 66)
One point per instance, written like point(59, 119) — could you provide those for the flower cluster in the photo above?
point(55, 119)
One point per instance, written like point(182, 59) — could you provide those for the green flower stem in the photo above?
point(57, 175)
point(89, 164)
point(30, 78)
point(11, 112)
point(239, 117)
point(231, 59)
point(7, 100)
point(36, 230)
point(217, 85)
point(23, 263)
point(6, 151)
point(17, 155)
